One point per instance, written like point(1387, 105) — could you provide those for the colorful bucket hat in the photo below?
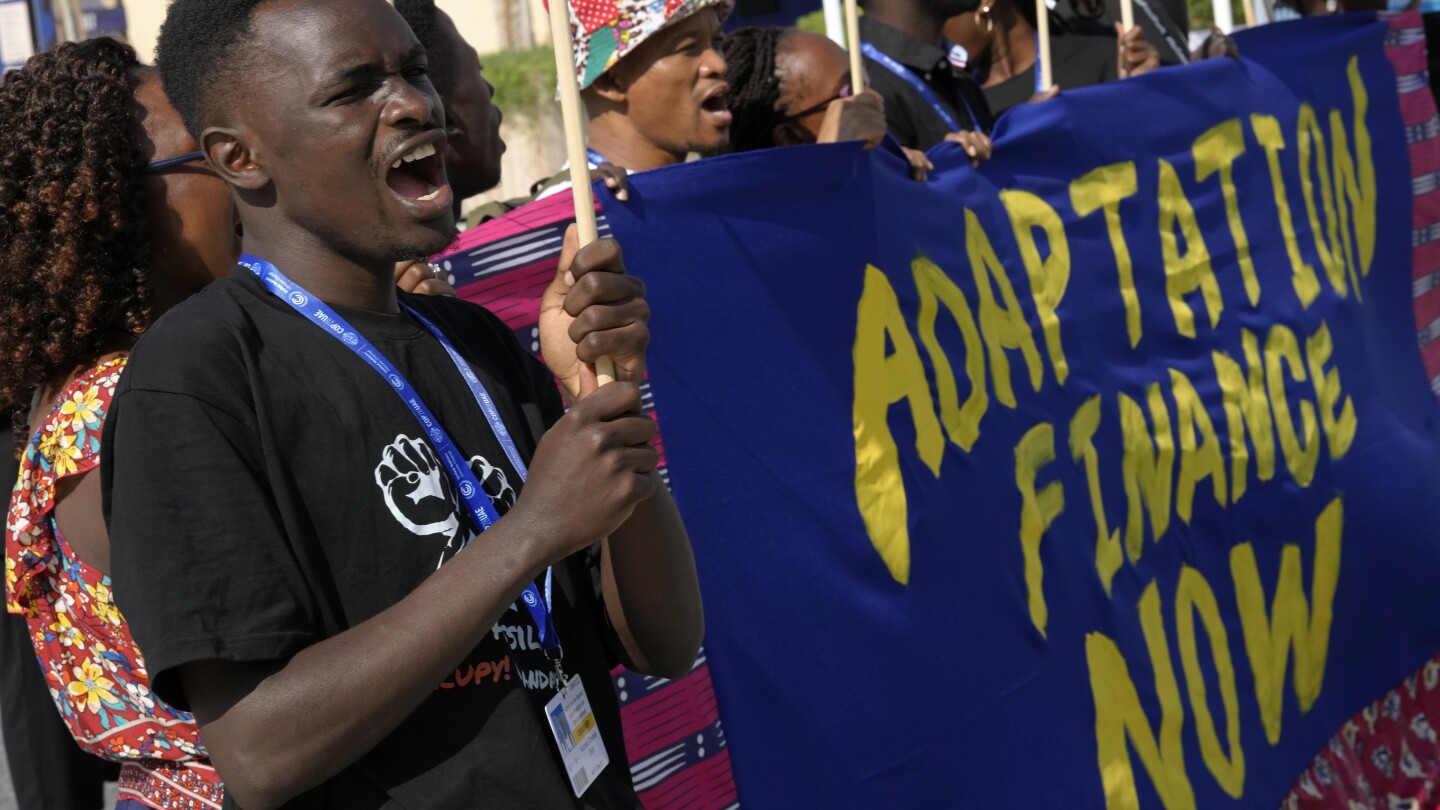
point(604, 31)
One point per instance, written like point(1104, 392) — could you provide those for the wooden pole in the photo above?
point(65, 14)
point(1249, 11)
point(509, 24)
point(1127, 22)
point(852, 41)
point(572, 113)
point(1042, 22)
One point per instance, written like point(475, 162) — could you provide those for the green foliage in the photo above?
point(1202, 14)
point(524, 81)
point(814, 22)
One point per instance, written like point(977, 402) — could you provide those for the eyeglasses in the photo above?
point(158, 166)
point(844, 93)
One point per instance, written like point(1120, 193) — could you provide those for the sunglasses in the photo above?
point(808, 111)
point(159, 166)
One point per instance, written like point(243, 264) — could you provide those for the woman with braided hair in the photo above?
point(789, 87)
point(108, 217)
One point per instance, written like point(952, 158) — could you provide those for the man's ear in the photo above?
point(790, 133)
point(610, 86)
point(228, 151)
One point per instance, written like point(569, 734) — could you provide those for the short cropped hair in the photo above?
point(199, 50)
point(420, 14)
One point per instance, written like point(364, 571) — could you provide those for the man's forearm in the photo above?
point(275, 735)
point(651, 591)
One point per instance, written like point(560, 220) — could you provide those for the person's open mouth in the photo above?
point(417, 177)
point(714, 106)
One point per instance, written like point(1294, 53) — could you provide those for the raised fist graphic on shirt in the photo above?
point(420, 495)
point(496, 485)
point(417, 489)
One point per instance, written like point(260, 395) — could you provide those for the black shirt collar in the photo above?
point(900, 46)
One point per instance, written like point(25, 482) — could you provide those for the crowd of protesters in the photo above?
point(206, 477)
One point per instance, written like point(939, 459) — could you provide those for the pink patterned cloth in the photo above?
point(673, 737)
point(1387, 757)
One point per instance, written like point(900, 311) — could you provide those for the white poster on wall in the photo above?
point(17, 40)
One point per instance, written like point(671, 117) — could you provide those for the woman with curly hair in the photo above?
point(108, 216)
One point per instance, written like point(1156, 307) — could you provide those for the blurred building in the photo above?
point(27, 25)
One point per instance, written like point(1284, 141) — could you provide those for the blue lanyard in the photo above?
point(920, 87)
point(477, 502)
point(595, 157)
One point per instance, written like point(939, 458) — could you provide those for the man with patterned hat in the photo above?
point(652, 78)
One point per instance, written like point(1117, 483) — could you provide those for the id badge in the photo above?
point(577, 735)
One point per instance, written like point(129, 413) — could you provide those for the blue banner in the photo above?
point(1103, 476)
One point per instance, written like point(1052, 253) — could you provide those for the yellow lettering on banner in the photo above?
point(1048, 276)
point(1292, 623)
point(1216, 151)
point(1355, 179)
point(1301, 455)
point(1108, 554)
point(1106, 187)
point(1037, 511)
point(1198, 460)
point(962, 422)
point(1339, 429)
point(881, 381)
point(1194, 596)
point(1327, 242)
point(1246, 406)
point(1148, 468)
point(1272, 140)
point(1003, 327)
point(1119, 715)
point(1184, 274)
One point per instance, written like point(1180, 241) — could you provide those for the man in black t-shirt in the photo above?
point(1166, 23)
point(928, 98)
point(293, 544)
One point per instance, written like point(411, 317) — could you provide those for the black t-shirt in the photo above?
point(908, 116)
point(1166, 24)
point(1076, 60)
point(266, 489)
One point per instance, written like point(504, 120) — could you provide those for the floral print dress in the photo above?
point(1387, 757)
point(96, 676)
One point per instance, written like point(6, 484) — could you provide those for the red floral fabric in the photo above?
point(1387, 756)
point(96, 676)
point(1384, 758)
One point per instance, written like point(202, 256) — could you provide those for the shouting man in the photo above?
point(653, 80)
point(354, 530)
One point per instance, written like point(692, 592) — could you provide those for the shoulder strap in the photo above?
point(68, 436)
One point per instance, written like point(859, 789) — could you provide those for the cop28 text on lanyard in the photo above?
point(920, 87)
point(477, 502)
